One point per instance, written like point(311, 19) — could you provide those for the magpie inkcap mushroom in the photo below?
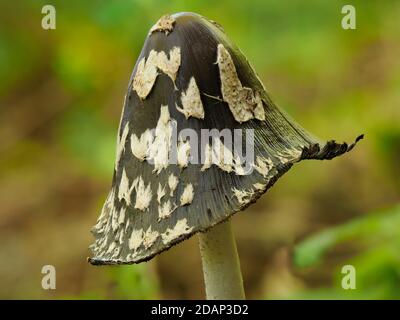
point(199, 140)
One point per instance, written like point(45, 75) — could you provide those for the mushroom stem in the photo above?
point(221, 266)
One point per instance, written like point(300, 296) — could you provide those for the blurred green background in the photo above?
point(61, 94)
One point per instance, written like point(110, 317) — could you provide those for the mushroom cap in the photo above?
point(190, 78)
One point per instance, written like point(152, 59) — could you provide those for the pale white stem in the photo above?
point(221, 266)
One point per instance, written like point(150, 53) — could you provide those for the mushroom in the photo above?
point(199, 140)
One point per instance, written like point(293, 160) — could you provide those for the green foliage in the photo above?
point(134, 282)
point(370, 229)
point(378, 263)
point(89, 138)
point(124, 282)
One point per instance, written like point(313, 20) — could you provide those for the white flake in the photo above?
point(143, 195)
point(172, 183)
point(263, 165)
point(259, 186)
point(187, 195)
point(147, 70)
point(159, 149)
point(164, 24)
point(136, 239)
point(183, 153)
point(191, 101)
point(140, 146)
point(178, 230)
point(160, 192)
point(165, 210)
point(244, 103)
point(290, 155)
point(124, 190)
point(150, 237)
point(221, 156)
point(242, 196)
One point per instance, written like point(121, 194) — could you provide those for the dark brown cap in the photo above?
point(199, 140)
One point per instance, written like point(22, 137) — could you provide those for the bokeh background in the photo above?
point(61, 94)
